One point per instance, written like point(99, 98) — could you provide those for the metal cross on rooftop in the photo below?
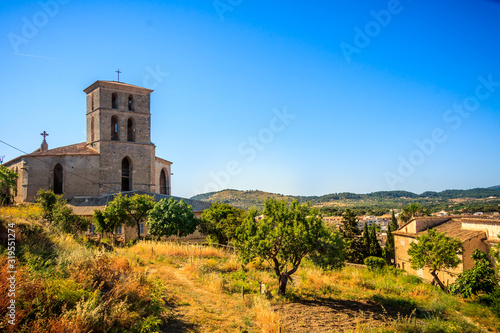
point(118, 71)
point(44, 134)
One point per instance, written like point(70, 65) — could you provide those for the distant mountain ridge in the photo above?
point(255, 198)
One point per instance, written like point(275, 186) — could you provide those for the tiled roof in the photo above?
point(103, 200)
point(78, 149)
point(452, 228)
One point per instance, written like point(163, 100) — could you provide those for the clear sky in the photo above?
point(302, 97)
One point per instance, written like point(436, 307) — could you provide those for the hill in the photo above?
point(375, 200)
point(68, 284)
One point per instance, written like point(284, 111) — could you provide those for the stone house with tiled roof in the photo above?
point(476, 233)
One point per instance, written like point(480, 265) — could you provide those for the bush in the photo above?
point(375, 263)
point(479, 279)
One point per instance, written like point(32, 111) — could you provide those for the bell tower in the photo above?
point(119, 129)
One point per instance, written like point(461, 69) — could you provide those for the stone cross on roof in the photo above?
point(118, 71)
point(44, 134)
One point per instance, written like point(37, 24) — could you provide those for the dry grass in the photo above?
point(27, 212)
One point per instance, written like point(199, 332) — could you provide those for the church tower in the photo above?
point(119, 129)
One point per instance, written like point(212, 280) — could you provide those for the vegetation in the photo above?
point(481, 278)
point(170, 217)
point(436, 252)
point(354, 250)
point(220, 222)
point(8, 185)
point(283, 237)
point(66, 284)
point(411, 211)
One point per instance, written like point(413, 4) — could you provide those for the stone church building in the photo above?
point(117, 156)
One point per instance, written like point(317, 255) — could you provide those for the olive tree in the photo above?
point(171, 217)
point(284, 235)
point(435, 251)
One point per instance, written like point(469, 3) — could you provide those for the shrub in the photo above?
point(479, 279)
point(375, 263)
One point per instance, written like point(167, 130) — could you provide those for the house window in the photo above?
point(114, 128)
point(130, 130)
point(58, 179)
point(130, 103)
point(126, 175)
point(118, 230)
point(114, 101)
point(141, 228)
point(92, 229)
point(164, 184)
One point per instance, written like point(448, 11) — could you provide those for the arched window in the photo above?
point(92, 97)
point(114, 101)
point(92, 129)
point(130, 103)
point(58, 179)
point(130, 130)
point(126, 174)
point(164, 184)
point(114, 128)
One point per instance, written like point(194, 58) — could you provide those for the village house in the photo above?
point(474, 233)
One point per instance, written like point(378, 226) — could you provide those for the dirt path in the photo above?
point(198, 309)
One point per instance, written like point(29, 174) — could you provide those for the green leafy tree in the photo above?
point(481, 278)
point(8, 184)
point(47, 200)
point(411, 211)
point(137, 207)
point(329, 250)
point(389, 250)
point(66, 221)
point(366, 241)
point(354, 249)
point(435, 251)
point(375, 249)
point(394, 222)
point(114, 215)
point(171, 217)
point(376, 264)
point(220, 222)
point(283, 237)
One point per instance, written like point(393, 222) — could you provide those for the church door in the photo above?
point(58, 179)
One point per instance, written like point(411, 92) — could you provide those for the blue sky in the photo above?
point(302, 98)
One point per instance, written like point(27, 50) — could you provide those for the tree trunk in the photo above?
point(138, 232)
point(283, 279)
point(438, 282)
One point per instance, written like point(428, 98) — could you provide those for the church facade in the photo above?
point(118, 155)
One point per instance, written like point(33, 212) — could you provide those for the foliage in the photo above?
point(479, 279)
point(66, 220)
point(394, 222)
point(220, 222)
point(138, 207)
point(283, 237)
point(411, 211)
point(390, 250)
point(171, 217)
point(354, 249)
point(8, 184)
point(374, 263)
point(435, 251)
point(47, 200)
point(114, 215)
point(329, 251)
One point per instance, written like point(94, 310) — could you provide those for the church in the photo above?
point(118, 155)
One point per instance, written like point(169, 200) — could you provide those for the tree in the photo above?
point(66, 221)
point(220, 222)
point(480, 278)
point(366, 241)
point(375, 250)
point(8, 184)
point(411, 211)
point(329, 250)
point(394, 222)
point(354, 249)
point(286, 234)
point(47, 200)
point(171, 217)
point(138, 207)
point(114, 215)
point(435, 251)
point(389, 250)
